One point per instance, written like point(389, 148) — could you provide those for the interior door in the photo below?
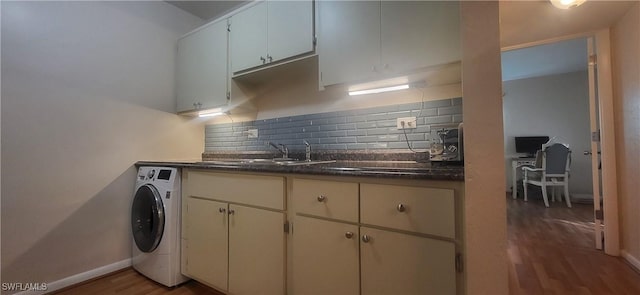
point(603, 153)
point(595, 145)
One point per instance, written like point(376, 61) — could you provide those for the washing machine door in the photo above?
point(147, 218)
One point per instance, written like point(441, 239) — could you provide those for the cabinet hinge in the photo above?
point(459, 262)
point(595, 136)
point(286, 227)
point(229, 27)
point(599, 214)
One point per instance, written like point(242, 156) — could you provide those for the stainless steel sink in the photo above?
point(277, 161)
point(303, 162)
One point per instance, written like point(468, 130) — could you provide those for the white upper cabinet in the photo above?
point(349, 40)
point(418, 34)
point(290, 29)
point(202, 79)
point(366, 40)
point(269, 32)
point(249, 38)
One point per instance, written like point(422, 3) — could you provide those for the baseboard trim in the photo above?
point(81, 277)
point(631, 259)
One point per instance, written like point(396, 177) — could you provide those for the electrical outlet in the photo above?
point(407, 123)
point(252, 133)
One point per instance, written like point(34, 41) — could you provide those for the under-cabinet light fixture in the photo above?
point(210, 113)
point(566, 4)
point(379, 90)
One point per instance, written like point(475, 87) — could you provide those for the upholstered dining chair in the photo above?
point(553, 171)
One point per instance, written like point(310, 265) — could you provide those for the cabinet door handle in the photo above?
point(373, 69)
point(222, 210)
point(321, 198)
point(401, 207)
point(270, 58)
point(348, 235)
point(231, 211)
point(366, 239)
point(263, 59)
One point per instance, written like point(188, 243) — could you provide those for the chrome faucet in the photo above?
point(281, 148)
point(307, 150)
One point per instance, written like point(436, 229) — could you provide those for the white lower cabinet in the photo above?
point(331, 258)
point(256, 251)
point(396, 263)
point(325, 257)
point(207, 243)
point(235, 248)
point(404, 246)
point(347, 237)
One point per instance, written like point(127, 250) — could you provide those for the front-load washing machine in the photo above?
point(155, 224)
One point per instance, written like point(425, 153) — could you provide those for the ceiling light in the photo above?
point(566, 4)
point(379, 90)
point(210, 113)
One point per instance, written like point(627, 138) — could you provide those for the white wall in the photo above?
point(88, 90)
point(626, 75)
point(485, 207)
point(555, 105)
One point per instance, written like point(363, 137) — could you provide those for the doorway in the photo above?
point(552, 89)
point(546, 93)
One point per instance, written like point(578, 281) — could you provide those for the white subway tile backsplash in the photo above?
point(372, 128)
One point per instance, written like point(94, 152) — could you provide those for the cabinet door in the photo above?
point(395, 263)
point(206, 242)
point(325, 257)
point(248, 37)
point(348, 40)
point(416, 34)
point(290, 29)
point(202, 68)
point(411, 208)
point(256, 251)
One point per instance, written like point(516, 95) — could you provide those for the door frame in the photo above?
point(607, 130)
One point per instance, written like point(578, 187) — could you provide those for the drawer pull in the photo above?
point(231, 211)
point(348, 235)
point(366, 239)
point(401, 207)
point(222, 210)
point(321, 198)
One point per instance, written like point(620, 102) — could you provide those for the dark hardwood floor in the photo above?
point(128, 281)
point(550, 250)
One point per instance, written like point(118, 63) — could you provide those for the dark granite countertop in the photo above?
point(384, 169)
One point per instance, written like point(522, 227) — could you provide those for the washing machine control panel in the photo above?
point(164, 174)
point(155, 173)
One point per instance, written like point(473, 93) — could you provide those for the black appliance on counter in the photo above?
point(450, 148)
